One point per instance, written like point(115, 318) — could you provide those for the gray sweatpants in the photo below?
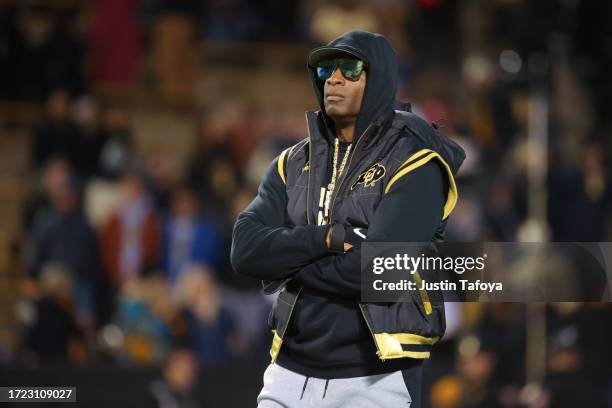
point(287, 389)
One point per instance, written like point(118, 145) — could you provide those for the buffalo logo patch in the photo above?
point(370, 176)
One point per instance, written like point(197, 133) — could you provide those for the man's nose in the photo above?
point(336, 78)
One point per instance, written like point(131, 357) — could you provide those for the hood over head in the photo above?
point(382, 74)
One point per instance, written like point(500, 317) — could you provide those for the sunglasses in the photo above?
point(351, 68)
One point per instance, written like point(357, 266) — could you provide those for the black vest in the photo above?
point(384, 153)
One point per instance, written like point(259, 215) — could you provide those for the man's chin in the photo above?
point(335, 112)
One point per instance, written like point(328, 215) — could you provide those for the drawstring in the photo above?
point(306, 383)
point(325, 390)
point(304, 387)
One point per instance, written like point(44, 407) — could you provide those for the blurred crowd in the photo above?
point(121, 258)
point(126, 258)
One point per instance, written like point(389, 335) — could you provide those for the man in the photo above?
point(369, 171)
point(175, 389)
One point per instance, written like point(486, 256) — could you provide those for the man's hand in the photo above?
point(328, 236)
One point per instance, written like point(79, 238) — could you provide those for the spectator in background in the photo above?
point(108, 153)
point(52, 175)
point(203, 323)
point(53, 335)
point(231, 20)
point(180, 374)
point(130, 237)
point(284, 130)
point(579, 198)
point(163, 173)
point(491, 121)
point(61, 234)
point(502, 220)
point(57, 135)
point(477, 365)
point(212, 171)
point(188, 237)
point(144, 312)
point(489, 374)
point(575, 342)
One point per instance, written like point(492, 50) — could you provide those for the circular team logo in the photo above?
point(370, 176)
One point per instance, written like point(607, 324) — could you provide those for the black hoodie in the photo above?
point(382, 71)
point(326, 336)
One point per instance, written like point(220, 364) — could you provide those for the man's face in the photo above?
point(341, 97)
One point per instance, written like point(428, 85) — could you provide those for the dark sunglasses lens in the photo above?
point(325, 69)
point(324, 72)
point(351, 69)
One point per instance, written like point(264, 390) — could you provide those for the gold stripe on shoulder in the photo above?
point(425, 156)
point(413, 157)
point(281, 165)
point(407, 169)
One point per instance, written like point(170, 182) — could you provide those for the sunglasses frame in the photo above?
point(337, 63)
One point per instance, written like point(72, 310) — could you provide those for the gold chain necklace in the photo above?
point(336, 173)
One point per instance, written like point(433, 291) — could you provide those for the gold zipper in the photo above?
point(309, 172)
point(330, 214)
point(348, 168)
point(371, 331)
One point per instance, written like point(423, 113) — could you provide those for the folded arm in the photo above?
point(410, 212)
point(264, 246)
